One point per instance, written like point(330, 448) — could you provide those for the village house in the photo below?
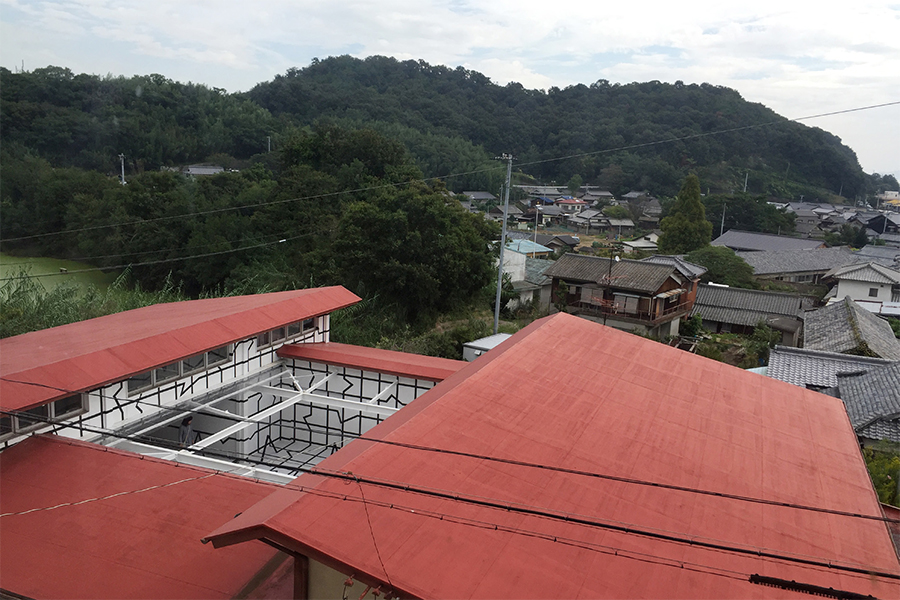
point(870, 285)
point(803, 266)
point(736, 310)
point(628, 294)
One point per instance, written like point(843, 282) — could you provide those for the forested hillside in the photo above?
point(450, 120)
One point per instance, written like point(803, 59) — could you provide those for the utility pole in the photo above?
point(268, 143)
point(122, 160)
point(508, 158)
point(746, 177)
point(722, 226)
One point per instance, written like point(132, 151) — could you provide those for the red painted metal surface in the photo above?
point(143, 545)
point(403, 364)
point(44, 365)
point(569, 393)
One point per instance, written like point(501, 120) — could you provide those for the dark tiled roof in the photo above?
point(747, 240)
point(626, 274)
point(534, 270)
point(871, 397)
point(480, 195)
point(845, 327)
point(745, 307)
point(688, 269)
point(799, 261)
point(815, 368)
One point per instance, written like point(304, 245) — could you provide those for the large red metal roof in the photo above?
point(374, 359)
point(136, 545)
point(41, 366)
point(568, 393)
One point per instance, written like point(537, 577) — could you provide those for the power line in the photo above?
point(633, 481)
point(558, 469)
point(710, 133)
point(543, 513)
point(445, 177)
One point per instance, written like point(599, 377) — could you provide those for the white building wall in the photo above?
point(112, 407)
point(859, 290)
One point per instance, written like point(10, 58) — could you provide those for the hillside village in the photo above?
point(280, 463)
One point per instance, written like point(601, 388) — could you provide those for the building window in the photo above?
point(873, 292)
point(5, 426)
point(140, 382)
point(167, 373)
point(218, 356)
point(193, 364)
point(171, 372)
point(33, 418)
point(69, 406)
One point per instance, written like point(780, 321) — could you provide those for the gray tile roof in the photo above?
point(815, 368)
point(846, 327)
point(747, 240)
point(799, 261)
point(626, 274)
point(745, 307)
point(866, 272)
point(534, 270)
point(872, 398)
point(480, 195)
point(688, 269)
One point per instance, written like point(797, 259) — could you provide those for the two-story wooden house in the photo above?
point(649, 297)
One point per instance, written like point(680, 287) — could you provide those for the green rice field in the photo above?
point(49, 271)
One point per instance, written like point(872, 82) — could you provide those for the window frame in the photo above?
point(208, 363)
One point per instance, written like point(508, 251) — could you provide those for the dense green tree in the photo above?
point(616, 212)
point(574, 183)
point(747, 213)
point(418, 248)
point(685, 228)
point(723, 266)
point(848, 236)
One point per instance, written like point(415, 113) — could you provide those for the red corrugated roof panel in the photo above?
point(566, 393)
point(41, 366)
point(138, 545)
point(374, 359)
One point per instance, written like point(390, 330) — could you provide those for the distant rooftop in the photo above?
point(752, 241)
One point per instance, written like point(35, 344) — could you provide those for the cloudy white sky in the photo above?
point(799, 58)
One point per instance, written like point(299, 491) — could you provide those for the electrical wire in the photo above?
point(631, 480)
point(539, 512)
point(426, 180)
point(564, 470)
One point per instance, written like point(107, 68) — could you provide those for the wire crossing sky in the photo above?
point(796, 57)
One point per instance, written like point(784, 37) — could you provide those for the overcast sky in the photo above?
point(798, 58)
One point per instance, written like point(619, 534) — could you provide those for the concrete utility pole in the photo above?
point(508, 158)
point(722, 226)
point(746, 177)
point(122, 160)
point(268, 143)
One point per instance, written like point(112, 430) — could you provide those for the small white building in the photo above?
point(869, 284)
point(474, 349)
